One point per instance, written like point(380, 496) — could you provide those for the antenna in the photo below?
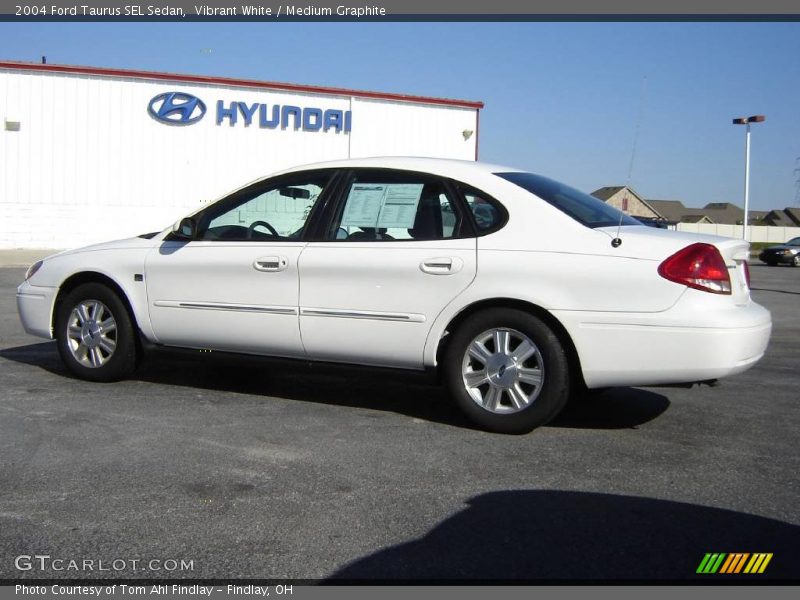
point(617, 241)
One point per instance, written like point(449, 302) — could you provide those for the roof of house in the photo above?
point(724, 212)
point(675, 212)
point(794, 214)
point(782, 218)
point(605, 193)
point(721, 206)
point(671, 210)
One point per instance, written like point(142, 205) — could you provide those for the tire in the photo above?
point(508, 386)
point(796, 260)
point(104, 351)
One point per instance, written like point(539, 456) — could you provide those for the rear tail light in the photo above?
point(700, 266)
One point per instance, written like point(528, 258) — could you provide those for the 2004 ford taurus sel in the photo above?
point(517, 288)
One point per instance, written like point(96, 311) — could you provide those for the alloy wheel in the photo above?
point(503, 370)
point(91, 333)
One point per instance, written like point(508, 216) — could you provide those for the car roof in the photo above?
point(438, 166)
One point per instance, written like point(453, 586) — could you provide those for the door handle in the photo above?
point(271, 264)
point(446, 265)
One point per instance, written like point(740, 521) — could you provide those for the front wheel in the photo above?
point(95, 335)
point(507, 371)
point(796, 260)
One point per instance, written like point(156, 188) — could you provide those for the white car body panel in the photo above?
point(671, 347)
point(383, 313)
point(225, 296)
point(372, 303)
point(119, 261)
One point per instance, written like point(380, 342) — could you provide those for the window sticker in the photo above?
point(383, 205)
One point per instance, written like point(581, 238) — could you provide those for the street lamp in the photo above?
point(747, 121)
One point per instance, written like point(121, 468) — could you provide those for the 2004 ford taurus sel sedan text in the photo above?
point(517, 288)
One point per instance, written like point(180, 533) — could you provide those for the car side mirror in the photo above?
point(185, 229)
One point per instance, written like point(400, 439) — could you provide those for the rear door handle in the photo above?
point(271, 264)
point(446, 265)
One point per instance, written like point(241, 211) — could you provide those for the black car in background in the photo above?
point(785, 254)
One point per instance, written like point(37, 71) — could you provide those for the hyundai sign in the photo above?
point(178, 108)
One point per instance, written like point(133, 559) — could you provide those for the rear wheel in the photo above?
point(507, 371)
point(796, 260)
point(95, 335)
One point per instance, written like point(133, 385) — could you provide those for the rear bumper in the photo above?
point(35, 308)
point(640, 349)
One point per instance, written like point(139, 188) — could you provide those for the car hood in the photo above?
point(125, 244)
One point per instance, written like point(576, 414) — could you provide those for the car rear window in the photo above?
point(582, 207)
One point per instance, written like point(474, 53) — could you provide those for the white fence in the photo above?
point(756, 233)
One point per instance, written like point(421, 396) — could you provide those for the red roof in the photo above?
point(229, 81)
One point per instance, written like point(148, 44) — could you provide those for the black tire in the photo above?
point(796, 261)
point(111, 365)
point(545, 400)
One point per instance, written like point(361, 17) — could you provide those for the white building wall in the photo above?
point(412, 130)
point(89, 164)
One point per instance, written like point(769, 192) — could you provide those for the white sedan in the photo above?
point(518, 289)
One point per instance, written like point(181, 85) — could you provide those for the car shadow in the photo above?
point(614, 408)
point(547, 535)
point(409, 393)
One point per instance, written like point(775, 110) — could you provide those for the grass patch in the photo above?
point(759, 246)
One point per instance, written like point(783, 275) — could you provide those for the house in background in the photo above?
point(725, 213)
point(671, 212)
point(788, 217)
point(628, 201)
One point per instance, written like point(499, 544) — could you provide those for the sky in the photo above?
point(567, 100)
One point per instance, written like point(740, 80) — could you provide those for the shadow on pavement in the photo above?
point(403, 392)
point(552, 535)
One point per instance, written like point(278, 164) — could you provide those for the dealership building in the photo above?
point(92, 154)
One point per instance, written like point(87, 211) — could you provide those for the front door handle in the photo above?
point(271, 264)
point(447, 265)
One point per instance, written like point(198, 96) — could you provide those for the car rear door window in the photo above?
point(385, 206)
point(486, 212)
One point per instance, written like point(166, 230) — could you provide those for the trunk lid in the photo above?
point(658, 244)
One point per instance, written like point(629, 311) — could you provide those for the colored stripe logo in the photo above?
point(734, 563)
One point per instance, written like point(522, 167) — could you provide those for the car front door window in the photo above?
point(278, 212)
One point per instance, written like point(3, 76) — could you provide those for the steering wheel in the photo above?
point(251, 229)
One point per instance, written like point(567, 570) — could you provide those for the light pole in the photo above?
point(747, 121)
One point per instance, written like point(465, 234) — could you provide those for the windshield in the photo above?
point(585, 209)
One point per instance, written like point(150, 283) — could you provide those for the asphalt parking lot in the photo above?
point(252, 469)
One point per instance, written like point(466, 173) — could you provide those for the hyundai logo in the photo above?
point(176, 108)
